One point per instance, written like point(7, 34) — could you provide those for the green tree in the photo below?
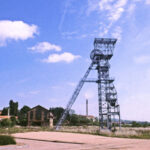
point(74, 120)
point(22, 117)
point(77, 120)
point(145, 124)
point(13, 108)
point(13, 120)
point(6, 123)
point(5, 111)
point(57, 112)
point(84, 120)
point(136, 124)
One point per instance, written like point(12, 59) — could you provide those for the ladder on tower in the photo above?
point(73, 98)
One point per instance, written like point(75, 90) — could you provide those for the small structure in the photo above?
point(51, 118)
point(90, 117)
point(4, 117)
point(39, 115)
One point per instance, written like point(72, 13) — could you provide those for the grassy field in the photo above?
point(6, 140)
point(22, 129)
point(141, 133)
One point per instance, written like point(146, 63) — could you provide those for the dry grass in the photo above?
point(142, 133)
point(22, 130)
point(80, 129)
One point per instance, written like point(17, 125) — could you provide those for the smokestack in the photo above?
point(86, 107)
point(8, 111)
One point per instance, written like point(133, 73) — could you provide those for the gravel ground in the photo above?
point(71, 141)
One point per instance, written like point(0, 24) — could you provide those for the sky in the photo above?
point(45, 48)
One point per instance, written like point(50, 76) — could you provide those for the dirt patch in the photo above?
point(62, 141)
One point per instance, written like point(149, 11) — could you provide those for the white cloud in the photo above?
point(116, 14)
point(106, 4)
point(115, 10)
point(15, 30)
point(131, 8)
point(111, 10)
point(104, 29)
point(147, 2)
point(43, 47)
point(64, 57)
point(117, 33)
point(67, 5)
point(142, 59)
point(92, 6)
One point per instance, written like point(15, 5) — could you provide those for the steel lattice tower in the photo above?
point(107, 94)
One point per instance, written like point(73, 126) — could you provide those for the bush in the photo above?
point(22, 116)
point(6, 140)
point(13, 120)
point(6, 123)
point(78, 120)
point(136, 124)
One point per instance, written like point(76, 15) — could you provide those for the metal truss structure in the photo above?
point(107, 94)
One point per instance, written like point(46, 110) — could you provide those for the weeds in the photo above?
point(6, 140)
point(140, 133)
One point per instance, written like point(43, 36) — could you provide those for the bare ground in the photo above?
point(72, 141)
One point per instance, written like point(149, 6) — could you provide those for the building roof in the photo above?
point(38, 106)
point(4, 117)
point(90, 116)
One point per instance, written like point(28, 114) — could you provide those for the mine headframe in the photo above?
point(107, 94)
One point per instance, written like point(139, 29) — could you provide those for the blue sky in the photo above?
point(45, 47)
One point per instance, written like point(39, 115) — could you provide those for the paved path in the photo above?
point(70, 141)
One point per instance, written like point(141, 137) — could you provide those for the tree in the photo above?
point(6, 123)
point(5, 111)
point(13, 108)
point(57, 112)
point(13, 120)
point(74, 120)
point(135, 124)
point(79, 120)
point(22, 117)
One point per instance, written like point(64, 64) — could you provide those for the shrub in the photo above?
point(6, 140)
point(13, 120)
point(136, 124)
point(6, 123)
point(22, 116)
